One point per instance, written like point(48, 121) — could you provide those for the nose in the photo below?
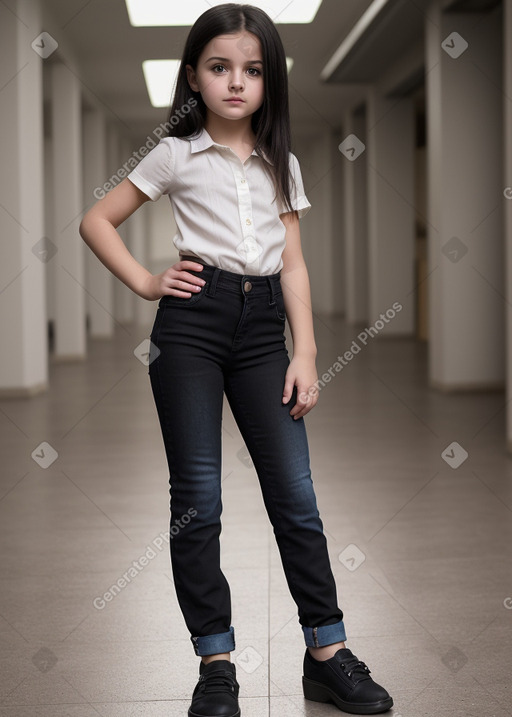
point(236, 80)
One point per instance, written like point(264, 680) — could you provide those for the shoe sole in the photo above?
point(194, 714)
point(317, 692)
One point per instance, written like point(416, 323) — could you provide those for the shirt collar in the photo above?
point(204, 141)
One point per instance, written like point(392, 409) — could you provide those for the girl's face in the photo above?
point(230, 66)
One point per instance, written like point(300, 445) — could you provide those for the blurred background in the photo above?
point(402, 123)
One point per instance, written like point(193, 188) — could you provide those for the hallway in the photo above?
point(400, 119)
point(424, 582)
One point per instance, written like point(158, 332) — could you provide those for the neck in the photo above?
point(228, 132)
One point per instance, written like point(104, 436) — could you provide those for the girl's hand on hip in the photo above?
point(175, 281)
point(302, 373)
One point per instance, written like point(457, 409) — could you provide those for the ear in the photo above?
point(191, 77)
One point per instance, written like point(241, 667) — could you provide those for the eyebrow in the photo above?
point(226, 59)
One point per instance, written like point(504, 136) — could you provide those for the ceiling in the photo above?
point(97, 41)
point(398, 27)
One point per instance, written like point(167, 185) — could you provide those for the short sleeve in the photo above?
point(298, 197)
point(154, 173)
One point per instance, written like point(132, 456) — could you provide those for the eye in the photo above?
point(255, 70)
point(215, 67)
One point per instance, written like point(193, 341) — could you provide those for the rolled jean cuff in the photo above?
point(215, 644)
point(324, 635)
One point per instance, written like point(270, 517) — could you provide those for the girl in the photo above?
point(237, 195)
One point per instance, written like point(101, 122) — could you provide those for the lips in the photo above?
point(235, 99)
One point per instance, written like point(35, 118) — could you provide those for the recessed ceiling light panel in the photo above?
point(156, 13)
point(160, 76)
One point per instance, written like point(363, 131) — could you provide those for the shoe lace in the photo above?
point(355, 667)
point(218, 681)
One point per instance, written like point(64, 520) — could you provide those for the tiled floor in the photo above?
point(428, 608)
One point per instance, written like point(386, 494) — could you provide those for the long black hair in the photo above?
point(271, 122)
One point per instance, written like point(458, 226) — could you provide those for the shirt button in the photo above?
point(242, 181)
point(247, 286)
point(248, 222)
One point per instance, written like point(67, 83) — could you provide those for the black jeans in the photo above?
point(229, 337)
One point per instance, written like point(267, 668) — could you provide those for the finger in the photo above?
point(178, 292)
point(191, 277)
point(303, 398)
point(296, 409)
point(188, 264)
point(288, 389)
point(194, 283)
point(304, 404)
point(302, 411)
point(183, 289)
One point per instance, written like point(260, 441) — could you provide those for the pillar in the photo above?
point(465, 185)
point(355, 201)
point(99, 280)
point(507, 200)
point(24, 348)
point(70, 327)
point(391, 234)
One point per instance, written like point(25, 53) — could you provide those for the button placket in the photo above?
point(249, 249)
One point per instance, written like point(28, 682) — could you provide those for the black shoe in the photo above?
point(216, 693)
point(346, 681)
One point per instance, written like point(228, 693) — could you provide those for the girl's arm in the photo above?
point(296, 291)
point(98, 230)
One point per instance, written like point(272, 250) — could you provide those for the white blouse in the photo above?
point(224, 208)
